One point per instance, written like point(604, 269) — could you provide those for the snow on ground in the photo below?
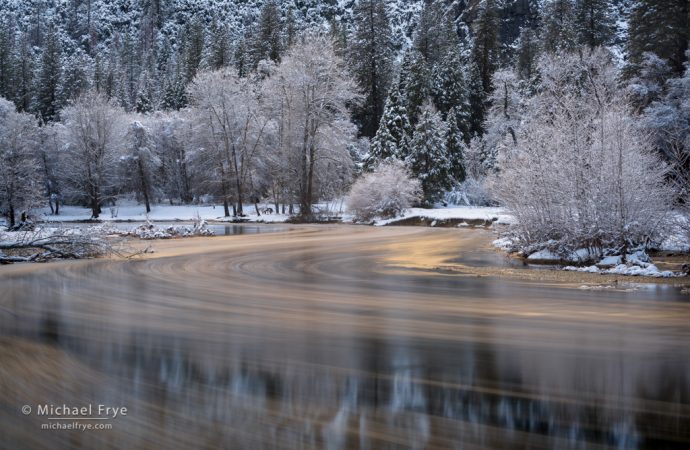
point(159, 213)
point(453, 212)
point(623, 269)
point(168, 213)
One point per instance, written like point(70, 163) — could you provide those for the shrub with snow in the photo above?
point(384, 193)
point(581, 174)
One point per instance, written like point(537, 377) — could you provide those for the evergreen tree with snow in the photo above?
point(415, 80)
point(455, 145)
point(23, 74)
point(371, 59)
point(392, 139)
point(559, 27)
point(429, 160)
point(219, 47)
point(486, 44)
point(435, 34)
point(7, 43)
point(661, 27)
point(478, 99)
point(595, 23)
point(267, 36)
point(450, 90)
point(528, 50)
point(175, 96)
point(193, 48)
point(48, 101)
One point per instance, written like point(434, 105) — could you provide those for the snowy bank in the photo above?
point(458, 216)
point(159, 213)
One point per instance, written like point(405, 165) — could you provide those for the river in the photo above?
point(339, 337)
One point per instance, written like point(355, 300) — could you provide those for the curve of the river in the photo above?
point(339, 337)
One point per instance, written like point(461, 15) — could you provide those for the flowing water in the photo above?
point(338, 337)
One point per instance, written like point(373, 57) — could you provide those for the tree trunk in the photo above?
point(144, 186)
point(10, 215)
point(310, 182)
point(95, 204)
point(57, 206)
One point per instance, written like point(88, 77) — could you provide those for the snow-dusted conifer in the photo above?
point(428, 159)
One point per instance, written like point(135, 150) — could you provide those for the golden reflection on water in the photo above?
point(340, 337)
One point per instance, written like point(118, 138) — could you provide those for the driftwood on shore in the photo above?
point(48, 244)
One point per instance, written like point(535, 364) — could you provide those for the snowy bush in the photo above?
point(384, 193)
point(150, 230)
point(471, 192)
point(581, 174)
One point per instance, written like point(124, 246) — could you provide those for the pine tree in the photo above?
point(661, 27)
point(47, 101)
point(371, 59)
point(478, 99)
point(23, 76)
point(595, 23)
point(175, 96)
point(486, 45)
point(393, 136)
point(241, 58)
point(145, 102)
point(6, 60)
point(428, 159)
point(76, 78)
point(450, 90)
point(455, 145)
point(267, 36)
point(435, 34)
point(559, 26)
point(193, 48)
point(290, 29)
point(415, 79)
point(219, 47)
point(528, 49)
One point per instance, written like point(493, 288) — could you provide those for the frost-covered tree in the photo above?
point(230, 127)
point(94, 132)
point(581, 173)
point(429, 160)
point(21, 182)
point(48, 154)
point(173, 135)
point(140, 164)
point(386, 192)
point(312, 89)
point(667, 120)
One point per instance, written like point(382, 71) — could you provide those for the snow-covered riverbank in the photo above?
point(167, 213)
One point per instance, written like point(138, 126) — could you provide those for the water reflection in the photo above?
point(222, 360)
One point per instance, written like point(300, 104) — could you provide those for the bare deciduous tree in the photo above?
point(312, 90)
point(230, 127)
point(21, 183)
point(94, 129)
